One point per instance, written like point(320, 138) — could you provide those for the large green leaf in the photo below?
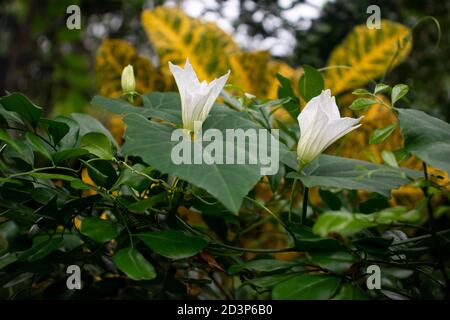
point(99, 230)
point(337, 172)
point(307, 287)
point(151, 140)
point(119, 106)
point(133, 264)
point(426, 137)
point(164, 106)
point(173, 244)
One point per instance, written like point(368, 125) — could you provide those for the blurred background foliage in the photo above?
point(56, 66)
point(61, 69)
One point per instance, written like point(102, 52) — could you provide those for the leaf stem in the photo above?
point(291, 200)
point(433, 229)
point(305, 205)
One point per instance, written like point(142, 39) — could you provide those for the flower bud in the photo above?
point(128, 81)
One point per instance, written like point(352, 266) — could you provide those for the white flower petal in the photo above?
point(328, 104)
point(339, 128)
point(216, 87)
point(197, 98)
point(320, 125)
point(308, 147)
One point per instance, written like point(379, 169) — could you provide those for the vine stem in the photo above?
point(142, 174)
point(38, 170)
point(278, 219)
point(222, 245)
point(305, 204)
point(291, 200)
point(433, 229)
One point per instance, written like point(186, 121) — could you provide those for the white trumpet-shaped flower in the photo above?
point(320, 125)
point(197, 98)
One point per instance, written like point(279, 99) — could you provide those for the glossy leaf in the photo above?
point(134, 265)
point(307, 287)
point(426, 137)
point(97, 144)
point(381, 134)
point(398, 92)
point(311, 83)
point(99, 230)
point(20, 104)
point(173, 244)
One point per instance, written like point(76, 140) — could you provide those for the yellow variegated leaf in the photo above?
point(112, 56)
point(249, 72)
point(278, 66)
point(366, 54)
point(176, 36)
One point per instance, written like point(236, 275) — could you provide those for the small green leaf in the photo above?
point(338, 262)
point(362, 103)
point(381, 134)
point(361, 92)
point(346, 223)
point(10, 117)
point(89, 124)
point(4, 136)
point(145, 204)
point(99, 230)
point(20, 104)
point(310, 83)
point(101, 172)
point(389, 158)
point(134, 265)
point(173, 244)
point(79, 185)
point(271, 280)
point(97, 144)
point(38, 145)
point(307, 287)
point(7, 259)
point(285, 90)
point(381, 87)
point(67, 154)
point(52, 176)
point(342, 222)
point(398, 92)
point(56, 129)
point(40, 250)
